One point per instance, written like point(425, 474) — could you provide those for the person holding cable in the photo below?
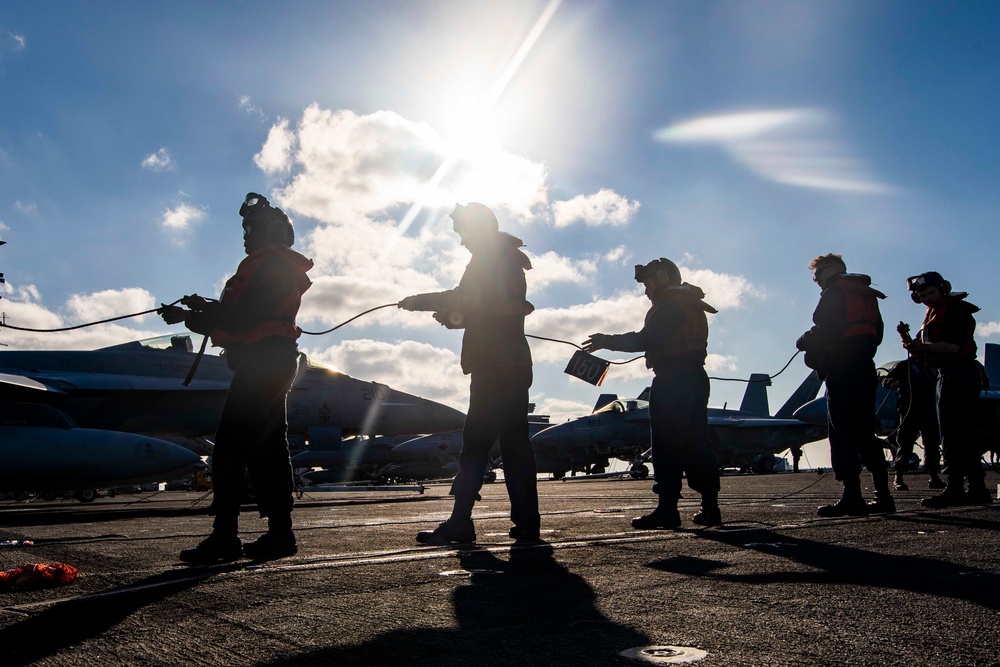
point(254, 323)
point(674, 338)
point(946, 343)
point(840, 347)
point(489, 305)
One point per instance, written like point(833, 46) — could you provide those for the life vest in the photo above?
point(862, 316)
point(280, 322)
point(933, 328)
point(692, 336)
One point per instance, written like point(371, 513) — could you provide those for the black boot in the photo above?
point(664, 517)
point(883, 503)
point(899, 484)
point(851, 503)
point(272, 545)
point(709, 514)
point(935, 482)
point(216, 548)
point(452, 531)
point(978, 493)
point(953, 495)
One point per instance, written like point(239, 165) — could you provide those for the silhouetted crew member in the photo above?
point(254, 321)
point(946, 343)
point(674, 338)
point(841, 348)
point(917, 411)
point(489, 303)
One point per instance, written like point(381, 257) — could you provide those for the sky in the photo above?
point(739, 139)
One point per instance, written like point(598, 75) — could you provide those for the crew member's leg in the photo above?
point(268, 463)
point(482, 426)
point(845, 412)
point(519, 470)
point(664, 414)
point(697, 454)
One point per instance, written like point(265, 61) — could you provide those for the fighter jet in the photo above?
point(42, 449)
point(436, 456)
point(988, 417)
point(355, 458)
point(137, 387)
point(748, 438)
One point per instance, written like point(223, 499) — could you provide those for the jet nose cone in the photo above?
point(442, 418)
point(550, 436)
point(813, 412)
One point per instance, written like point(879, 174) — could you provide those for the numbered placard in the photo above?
point(588, 368)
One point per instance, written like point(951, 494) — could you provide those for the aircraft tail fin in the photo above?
point(992, 364)
point(806, 392)
point(755, 396)
point(603, 400)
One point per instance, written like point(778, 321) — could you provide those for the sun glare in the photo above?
point(472, 130)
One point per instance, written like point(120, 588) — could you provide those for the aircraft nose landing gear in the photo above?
point(639, 471)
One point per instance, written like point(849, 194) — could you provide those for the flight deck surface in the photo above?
point(774, 585)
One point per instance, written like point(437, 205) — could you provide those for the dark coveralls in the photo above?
point(841, 347)
point(255, 323)
point(958, 385)
point(674, 337)
point(917, 408)
point(489, 303)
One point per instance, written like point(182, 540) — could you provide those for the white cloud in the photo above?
point(247, 105)
point(722, 290)
point(605, 207)
point(560, 409)
point(619, 255)
point(345, 165)
point(720, 362)
point(790, 146)
point(83, 308)
point(3, 227)
point(550, 267)
point(417, 368)
point(987, 329)
point(23, 308)
point(28, 208)
point(12, 42)
point(159, 161)
point(275, 155)
point(182, 216)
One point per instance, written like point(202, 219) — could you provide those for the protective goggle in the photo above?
point(923, 281)
point(252, 199)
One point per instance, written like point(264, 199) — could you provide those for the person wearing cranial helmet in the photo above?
point(489, 305)
point(674, 338)
point(254, 323)
point(946, 342)
point(840, 347)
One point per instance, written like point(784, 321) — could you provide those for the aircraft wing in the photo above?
point(62, 382)
point(21, 382)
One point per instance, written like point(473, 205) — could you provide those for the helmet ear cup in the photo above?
point(914, 297)
point(662, 277)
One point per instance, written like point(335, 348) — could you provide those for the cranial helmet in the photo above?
point(474, 218)
point(662, 270)
point(258, 214)
point(923, 281)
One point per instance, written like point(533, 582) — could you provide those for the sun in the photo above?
point(471, 129)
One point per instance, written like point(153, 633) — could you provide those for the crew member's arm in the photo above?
point(661, 322)
point(829, 320)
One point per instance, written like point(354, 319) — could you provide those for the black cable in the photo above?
point(767, 379)
point(566, 342)
point(370, 310)
point(89, 324)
